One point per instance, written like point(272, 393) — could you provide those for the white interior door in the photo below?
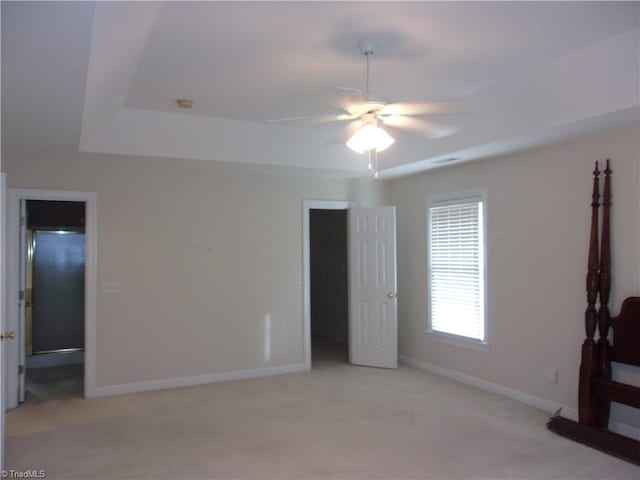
point(14, 305)
point(3, 307)
point(373, 316)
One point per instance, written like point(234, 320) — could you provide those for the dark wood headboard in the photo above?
point(626, 333)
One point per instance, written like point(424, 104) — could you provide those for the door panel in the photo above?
point(373, 319)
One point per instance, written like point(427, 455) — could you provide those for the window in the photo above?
point(456, 266)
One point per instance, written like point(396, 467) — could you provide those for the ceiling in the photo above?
point(104, 77)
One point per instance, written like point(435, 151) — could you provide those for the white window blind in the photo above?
point(457, 267)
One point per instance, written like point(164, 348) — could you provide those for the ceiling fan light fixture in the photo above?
point(370, 137)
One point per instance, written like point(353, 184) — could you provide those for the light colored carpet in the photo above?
point(337, 421)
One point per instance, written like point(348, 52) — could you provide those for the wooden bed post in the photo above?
point(604, 316)
point(596, 389)
point(588, 365)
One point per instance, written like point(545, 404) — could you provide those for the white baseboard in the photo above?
point(526, 398)
point(152, 385)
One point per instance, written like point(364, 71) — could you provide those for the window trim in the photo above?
point(443, 337)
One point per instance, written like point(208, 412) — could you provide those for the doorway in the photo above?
point(326, 313)
point(329, 286)
point(63, 234)
point(54, 299)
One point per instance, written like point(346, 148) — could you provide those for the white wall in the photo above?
point(537, 239)
point(203, 255)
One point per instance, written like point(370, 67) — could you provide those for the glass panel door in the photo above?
point(57, 296)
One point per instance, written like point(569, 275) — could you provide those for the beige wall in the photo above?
point(367, 192)
point(537, 232)
point(202, 255)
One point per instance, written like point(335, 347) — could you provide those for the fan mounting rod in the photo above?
point(366, 47)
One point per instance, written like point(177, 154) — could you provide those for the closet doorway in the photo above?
point(326, 283)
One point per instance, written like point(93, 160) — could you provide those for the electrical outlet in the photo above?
point(553, 374)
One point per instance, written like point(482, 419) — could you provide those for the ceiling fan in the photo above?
point(371, 114)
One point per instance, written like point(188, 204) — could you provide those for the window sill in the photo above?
point(457, 341)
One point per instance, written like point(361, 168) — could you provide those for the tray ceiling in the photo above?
point(533, 72)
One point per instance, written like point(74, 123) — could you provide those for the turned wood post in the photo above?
point(586, 402)
point(604, 317)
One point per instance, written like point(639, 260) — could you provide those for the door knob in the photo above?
point(392, 295)
point(8, 336)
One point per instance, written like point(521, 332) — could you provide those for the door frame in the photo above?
point(15, 195)
point(307, 206)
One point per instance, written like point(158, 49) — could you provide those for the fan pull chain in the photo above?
point(373, 162)
point(375, 167)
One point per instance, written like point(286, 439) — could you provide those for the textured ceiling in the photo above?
point(533, 72)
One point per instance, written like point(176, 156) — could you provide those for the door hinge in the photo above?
point(20, 369)
point(21, 295)
point(21, 221)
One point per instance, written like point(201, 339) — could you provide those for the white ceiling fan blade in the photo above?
point(419, 126)
point(425, 108)
point(313, 119)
